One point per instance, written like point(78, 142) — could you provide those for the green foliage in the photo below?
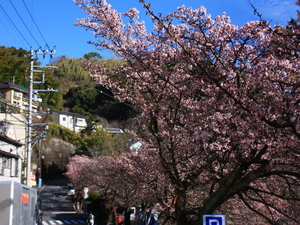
point(92, 55)
point(23, 178)
point(71, 68)
point(96, 205)
point(91, 121)
point(101, 143)
point(111, 62)
point(82, 99)
point(89, 100)
point(55, 130)
point(13, 65)
point(96, 143)
point(53, 98)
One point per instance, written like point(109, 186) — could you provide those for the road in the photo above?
point(57, 206)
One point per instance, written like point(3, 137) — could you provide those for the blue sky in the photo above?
point(55, 20)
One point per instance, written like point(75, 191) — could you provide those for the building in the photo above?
point(12, 146)
point(17, 97)
point(10, 159)
point(72, 121)
point(113, 130)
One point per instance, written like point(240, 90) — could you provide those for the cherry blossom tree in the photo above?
point(126, 180)
point(219, 106)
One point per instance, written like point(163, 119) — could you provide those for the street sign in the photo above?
point(86, 190)
point(213, 219)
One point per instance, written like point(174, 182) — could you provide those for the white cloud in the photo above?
point(280, 11)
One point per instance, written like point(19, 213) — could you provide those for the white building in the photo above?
point(73, 121)
point(12, 146)
point(10, 159)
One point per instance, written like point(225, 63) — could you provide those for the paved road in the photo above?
point(57, 206)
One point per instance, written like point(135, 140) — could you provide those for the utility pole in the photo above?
point(29, 129)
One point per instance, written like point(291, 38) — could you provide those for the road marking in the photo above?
point(63, 212)
point(61, 222)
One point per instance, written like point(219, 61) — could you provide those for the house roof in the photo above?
point(9, 85)
point(9, 154)
point(69, 113)
point(114, 130)
point(10, 141)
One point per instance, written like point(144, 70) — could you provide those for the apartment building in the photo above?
point(17, 97)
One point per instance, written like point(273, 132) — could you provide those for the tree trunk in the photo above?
point(180, 207)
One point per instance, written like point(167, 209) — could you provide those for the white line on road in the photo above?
point(62, 212)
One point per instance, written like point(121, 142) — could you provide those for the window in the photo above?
point(16, 104)
point(14, 167)
point(17, 95)
point(64, 119)
point(25, 107)
point(5, 162)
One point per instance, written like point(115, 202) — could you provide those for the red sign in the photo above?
point(32, 177)
point(25, 198)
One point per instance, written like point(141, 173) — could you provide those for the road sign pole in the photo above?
point(86, 190)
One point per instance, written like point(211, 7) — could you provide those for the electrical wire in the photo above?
point(113, 98)
point(35, 23)
point(24, 23)
point(7, 30)
point(15, 26)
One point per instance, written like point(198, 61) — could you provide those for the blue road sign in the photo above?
point(213, 219)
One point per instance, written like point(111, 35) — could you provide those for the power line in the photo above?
point(102, 92)
point(35, 23)
point(24, 23)
point(8, 31)
point(15, 26)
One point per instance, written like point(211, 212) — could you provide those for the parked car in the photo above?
point(71, 190)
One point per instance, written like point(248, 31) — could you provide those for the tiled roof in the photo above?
point(10, 141)
point(8, 85)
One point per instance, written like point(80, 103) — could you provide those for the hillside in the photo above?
point(77, 92)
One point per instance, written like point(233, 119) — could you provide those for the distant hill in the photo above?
point(77, 92)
